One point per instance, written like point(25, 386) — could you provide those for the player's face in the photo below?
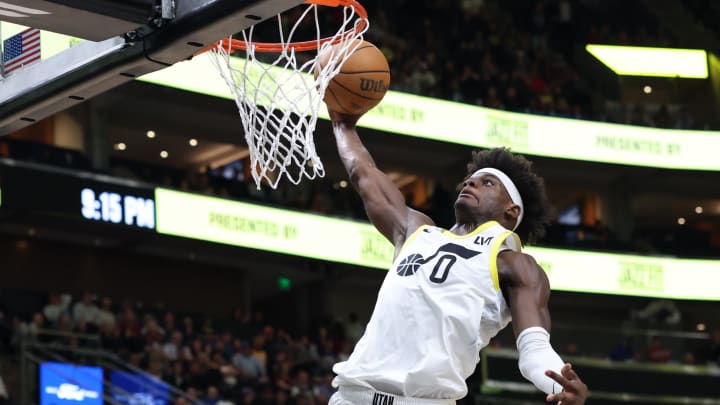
point(482, 198)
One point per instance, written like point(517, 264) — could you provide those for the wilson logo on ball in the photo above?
point(376, 86)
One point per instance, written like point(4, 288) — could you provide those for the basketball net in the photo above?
point(279, 100)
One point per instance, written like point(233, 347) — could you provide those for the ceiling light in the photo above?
point(150, 134)
point(120, 146)
point(163, 154)
point(698, 210)
point(193, 142)
point(647, 89)
point(681, 221)
point(700, 327)
point(645, 61)
point(343, 184)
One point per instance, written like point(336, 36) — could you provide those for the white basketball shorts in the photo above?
point(352, 395)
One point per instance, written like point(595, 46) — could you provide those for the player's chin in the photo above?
point(463, 201)
point(462, 206)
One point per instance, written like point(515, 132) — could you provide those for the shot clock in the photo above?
point(116, 208)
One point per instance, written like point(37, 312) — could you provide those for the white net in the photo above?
point(279, 98)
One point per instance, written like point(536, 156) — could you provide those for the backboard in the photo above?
point(125, 39)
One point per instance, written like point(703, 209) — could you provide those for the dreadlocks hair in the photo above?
point(537, 210)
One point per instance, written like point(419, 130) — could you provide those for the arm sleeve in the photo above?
point(536, 356)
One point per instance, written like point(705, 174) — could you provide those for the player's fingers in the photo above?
point(556, 397)
point(569, 373)
point(557, 377)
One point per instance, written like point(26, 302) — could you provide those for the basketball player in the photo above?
point(449, 292)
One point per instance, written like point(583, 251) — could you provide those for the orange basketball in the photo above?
point(361, 83)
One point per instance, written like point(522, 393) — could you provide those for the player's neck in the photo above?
point(465, 227)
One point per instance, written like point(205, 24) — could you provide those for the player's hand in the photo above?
point(574, 390)
point(346, 119)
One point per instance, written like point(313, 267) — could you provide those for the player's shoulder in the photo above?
point(416, 220)
point(517, 267)
point(515, 258)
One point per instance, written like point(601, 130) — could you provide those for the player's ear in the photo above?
point(512, 212)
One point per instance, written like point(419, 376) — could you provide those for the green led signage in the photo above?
point(465, 124)
point(288, 232)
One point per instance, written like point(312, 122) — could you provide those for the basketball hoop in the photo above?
point(279, 99)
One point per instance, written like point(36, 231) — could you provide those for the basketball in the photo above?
point(361, 83)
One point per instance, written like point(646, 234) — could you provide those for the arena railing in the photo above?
point(610, 381)
point(33, 353)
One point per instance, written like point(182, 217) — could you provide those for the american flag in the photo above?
point(21, 49)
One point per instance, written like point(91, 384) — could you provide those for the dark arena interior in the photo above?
point(141, 264)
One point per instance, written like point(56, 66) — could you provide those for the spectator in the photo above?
point(130, 331)
point(302, 385)
point(324, 390)
point(188, 329)
point(710, 352)
point(5, 333)
point(281, 397)
point(689, 359)
point(248, 365)
point(110, 338)
point(212, 397)
point(175, 349)
point(281, 373)
point(657, 352)
point(176, 375)
point(258, 350)
point(151, 331)
point(169, 322)
point(240, 324)
point(662, 118)
point(248, 396)
point(354, 329)
point(623, 351)
point(85, 310)
point(105, 315)
point(31, 329)
point(57, 305)
point(304, 352)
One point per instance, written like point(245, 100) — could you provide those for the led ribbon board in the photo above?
point(465, 124)
point(259, 227)
point(288, 232)
point(645, 61)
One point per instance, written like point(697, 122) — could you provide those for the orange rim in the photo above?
point(275, 47)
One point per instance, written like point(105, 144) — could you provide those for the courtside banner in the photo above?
point(447, 121)
point(315, 236)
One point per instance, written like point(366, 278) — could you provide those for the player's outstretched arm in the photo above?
point(384, 203)
point(527, 290)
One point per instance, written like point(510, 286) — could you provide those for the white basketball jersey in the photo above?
point(439, 305)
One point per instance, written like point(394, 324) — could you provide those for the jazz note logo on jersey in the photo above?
point(410, 264)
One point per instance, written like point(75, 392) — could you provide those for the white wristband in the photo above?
point(536, 356)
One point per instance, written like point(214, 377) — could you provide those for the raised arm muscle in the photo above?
point(384, 203)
